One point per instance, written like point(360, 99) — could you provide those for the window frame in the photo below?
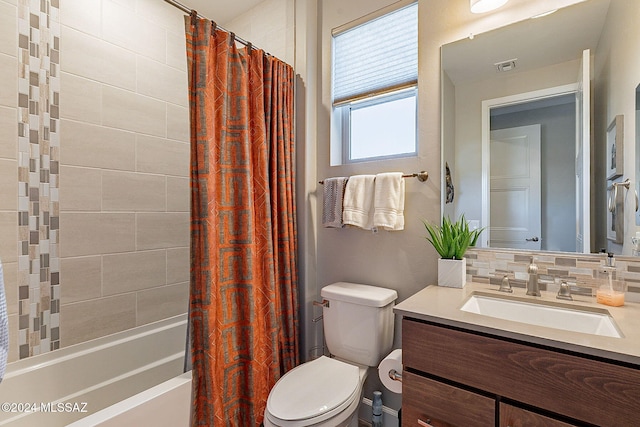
point(345, 123)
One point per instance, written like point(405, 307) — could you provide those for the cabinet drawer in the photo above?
point(573, 386)
point(511, 416)
point(442, 405)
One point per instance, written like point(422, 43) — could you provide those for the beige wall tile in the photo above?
point(133, 31)
point(81, 54)
point(178, 123)
point(96, 233)
point(8, 236)
point(8, 29)
point(163, 156)
point(80, 99)
point(127, 191)
point(88, 56)
point(178, 265)
point(134, 271)
point(13, 339)
point(9, 79)
point(81, 278)
point(119, 66)
point(161, 13)
point(86, 320)
point(82, 15)
point(10, 272)
point(82, 189)
point(8, 185)
point(162, 230)
point(123, 109)
point(161, 81)
point(178, 194)
point(96, 146)
point(8, 133)
point(161, 303)
point(176, 50)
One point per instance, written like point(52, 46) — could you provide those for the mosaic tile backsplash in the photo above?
point(38, 164)
point(585, 270)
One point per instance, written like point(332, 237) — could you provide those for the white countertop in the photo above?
point(442, 305)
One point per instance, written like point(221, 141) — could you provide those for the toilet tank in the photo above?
point(358, 322)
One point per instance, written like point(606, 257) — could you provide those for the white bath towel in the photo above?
point(357, 207)
point(388, 201)
point(4, 327)
point(332, 196)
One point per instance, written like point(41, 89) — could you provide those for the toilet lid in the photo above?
point(313, 389)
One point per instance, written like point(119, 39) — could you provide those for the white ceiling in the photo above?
point(220, 11)
point(559, 37)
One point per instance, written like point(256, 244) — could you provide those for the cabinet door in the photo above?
point(511, 416)
point(426, 402)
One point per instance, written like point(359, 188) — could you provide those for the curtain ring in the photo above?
point(213, 26)
point(249, 47)
point(232, 39)
point(194, 17)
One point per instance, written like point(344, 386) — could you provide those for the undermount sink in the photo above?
point(558, 316)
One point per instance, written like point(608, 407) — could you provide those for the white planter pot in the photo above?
point(452, 273)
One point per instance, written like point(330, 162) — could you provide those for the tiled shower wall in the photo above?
point(117, 188)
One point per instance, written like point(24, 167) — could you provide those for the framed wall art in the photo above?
point(615, 147)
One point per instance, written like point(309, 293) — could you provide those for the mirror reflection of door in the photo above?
point(555, 118)
point(515, 188)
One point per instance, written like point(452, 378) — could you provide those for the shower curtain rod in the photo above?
point(188, 11)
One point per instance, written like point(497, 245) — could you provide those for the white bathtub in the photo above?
point(66, 385)
point(165, 405)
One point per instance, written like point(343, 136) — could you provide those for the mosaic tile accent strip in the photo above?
point(491, 265)
point(38, 160)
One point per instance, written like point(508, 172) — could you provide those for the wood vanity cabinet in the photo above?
point(455, 377)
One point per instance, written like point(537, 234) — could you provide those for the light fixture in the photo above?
point(481, 6)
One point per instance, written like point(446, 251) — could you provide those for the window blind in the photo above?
point(376, 56)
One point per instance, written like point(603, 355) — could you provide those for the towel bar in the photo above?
point(422, 176)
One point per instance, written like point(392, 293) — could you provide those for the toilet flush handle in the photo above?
point(323, 303)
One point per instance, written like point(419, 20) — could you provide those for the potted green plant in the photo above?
point(451, 240)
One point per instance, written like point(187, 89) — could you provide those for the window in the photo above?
point(375, 71)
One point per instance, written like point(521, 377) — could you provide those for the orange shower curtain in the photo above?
point(243, 298)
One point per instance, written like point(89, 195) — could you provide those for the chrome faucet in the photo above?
point(532, 284)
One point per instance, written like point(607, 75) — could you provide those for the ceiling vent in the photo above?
point(505, 66)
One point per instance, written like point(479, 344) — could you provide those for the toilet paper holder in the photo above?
point(395, 375)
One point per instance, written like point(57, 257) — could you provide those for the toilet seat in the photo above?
point(313, 392)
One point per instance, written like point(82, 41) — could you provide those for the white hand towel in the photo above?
point(332, 195)
point(4, 327)
point(357, 207)
point(389, 201)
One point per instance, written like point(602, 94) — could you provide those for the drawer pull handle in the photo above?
point(424, 423)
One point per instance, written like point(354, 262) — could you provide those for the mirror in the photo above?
point(519, 148)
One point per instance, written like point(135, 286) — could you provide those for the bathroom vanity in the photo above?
point(467, 369)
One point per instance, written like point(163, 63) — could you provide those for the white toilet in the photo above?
point(358, 328)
